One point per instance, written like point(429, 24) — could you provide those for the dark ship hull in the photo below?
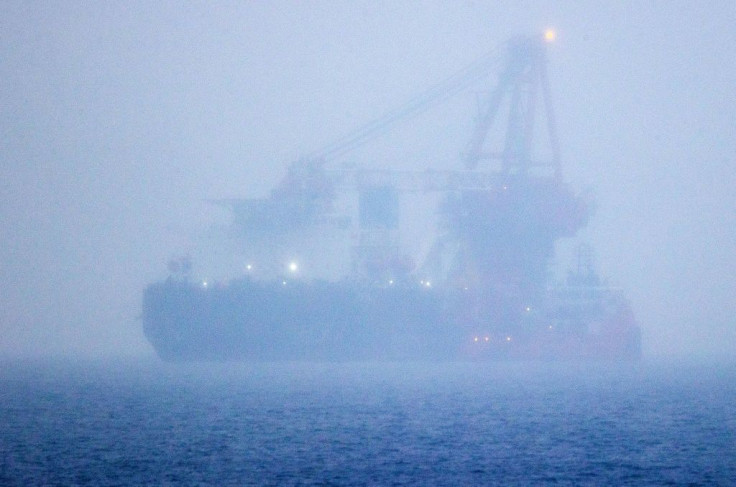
point(254, 321)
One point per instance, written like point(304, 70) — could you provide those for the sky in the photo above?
point(120, 119)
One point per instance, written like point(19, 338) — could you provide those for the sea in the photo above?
point(145, 422)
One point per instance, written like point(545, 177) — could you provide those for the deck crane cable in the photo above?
point(439, 92)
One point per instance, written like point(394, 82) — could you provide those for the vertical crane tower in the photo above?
point(522, 81)
point(504, 234)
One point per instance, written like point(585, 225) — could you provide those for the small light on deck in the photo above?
point(475, 339)
point(508, 339)
point(550, 35)
point(293, 266)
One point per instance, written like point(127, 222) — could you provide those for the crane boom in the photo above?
point(435, 94)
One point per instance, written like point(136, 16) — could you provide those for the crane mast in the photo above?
point(522, 81)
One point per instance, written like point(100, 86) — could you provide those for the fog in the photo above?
point(119, 121)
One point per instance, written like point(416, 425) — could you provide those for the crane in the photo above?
point(476, 193)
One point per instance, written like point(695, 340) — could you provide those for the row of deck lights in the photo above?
point(292, 267)
point(488, 339)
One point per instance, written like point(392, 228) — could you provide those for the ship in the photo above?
point(482, 291)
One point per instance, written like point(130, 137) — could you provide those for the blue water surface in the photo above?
point(132, 423)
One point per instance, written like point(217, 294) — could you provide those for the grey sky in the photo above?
point(119, 119)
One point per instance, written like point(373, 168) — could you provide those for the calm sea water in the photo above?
point(122, 423)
